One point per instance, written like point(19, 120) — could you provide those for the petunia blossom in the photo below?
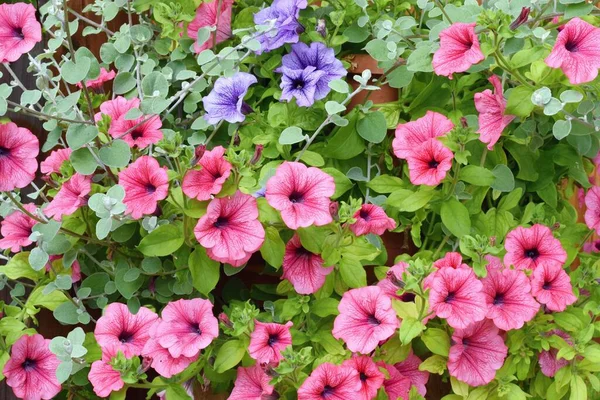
point(452, 259)
point(19, 31)
point(301, 194)
point(528, 248)
point(592, 247)
point(18, 151)
point(456, 296)
point(202, 184)
point(508, 298)
point(330, 382)
point(116, 108)
point(396, 386)
point(15, 229)
point(268, 340)
point(429, 163)
point(492, 116)
point(31, 369)
point(225, 102)
point(410, 368)
point(300, 84)
point(459, 50)
point(98, 83)
point(366, 318)
point(161, 360)
point(303, 268)
point(548, 359)
point(592, 212)
point(393, 282)
point(282, 19)
point(577, 51)
point(120, 328)
point(230, 230)
point(551, 285)
point(252, 383)
point(371, 378)
point(371, 218)
point(477, 352)
point(71, 196)
point(145, 183)
point(410, 135)
point(55, 160)
point(208, 15)
point(103, 377)
point(140, 132)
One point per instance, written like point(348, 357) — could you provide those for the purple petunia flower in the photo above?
point(318, 56)
point(283, 15)
point(301, 84)
point(226, 100)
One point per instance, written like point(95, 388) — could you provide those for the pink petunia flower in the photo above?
point(116, 108)
point(410, 368)
point(19, 31)
point(18, 151)
point(366, 318)
point(98, 83)
point(548, 360)
point(145, 183)
point(187, 326)
point(31, 369)
point(230, 230)
point(508, 298)
point(209, 15)
point(120, 328)
point(397, 386)
point(592, 212)
point(102, 376)
point(477, 353)
point(302, 268)
point(140, 132)
point(252, 383)
point(456, 296)
point(492, 117)
point(371, 378)
point(202, 184)
point(459, 50)
point(577, 51)
point(71, 196)
point(429, 163)
point(588, 247)
point(493, 263)
point(55, 160)
point(161, 360)
point(16, 229)
point(268, 340)
point(393, 281)
point(410, 135)
point(551, 285)
point(301, 194)
point(527, 248)
point(371, 219)
point(451, 259)
point(330, 382)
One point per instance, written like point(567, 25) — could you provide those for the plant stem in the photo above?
point(42, 115)
point(503, 63)
point(441, 246)
point(90, 22)
point(441, 7)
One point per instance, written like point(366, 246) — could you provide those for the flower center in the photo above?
point(4, 152)
point(571, 46)
point(298, 84)
point(18, 33)
point(466, 342)
point(302, 252)
point(433, 164)
point(547, 285)
point(327, 390)
point(136, 134)
point(450, 297)
point(363, 376)
point(372, 320)
point(296, 197)
point(365, 215)
point(125, 337)
point(532, 253)
point(150, 188)
point(273, 338)
point(597, 245)
point(221, 222)
point(499, 299)
point(196, 329)
point(28, 364)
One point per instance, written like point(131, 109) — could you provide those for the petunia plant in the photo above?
point(300, 200)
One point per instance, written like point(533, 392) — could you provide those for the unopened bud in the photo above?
point(463, 122)
point(145, 365)
point(492, 240)
point(334, 208)
point(555, 226)
point(225, 320)
point(236, 139)
point(198, 153)
point(521, 19)
point(391, 276)
point(321, 28)
point(257, 154)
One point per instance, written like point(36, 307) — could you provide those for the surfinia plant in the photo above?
point(292, 200)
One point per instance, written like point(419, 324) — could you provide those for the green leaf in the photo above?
point(408, 201)
point(519, 102)
point(176, 392)
point(571, 96)
point(372, 127)
point(325, 307)
point(410, 328)
point(79, 135)
point(333, 107)
point(504, 180)
point(292, 135)
point(123, 83)
point(346, 143)
point(561, 129)
point(205, 271)
point(229, 355)
point(127, 289)
point(437, 341)
point(352, 272)
point(435, 364)
point(38, 258)
point(476, 175)
point(50, 301)
point(18, 267)
point(273, 247)
point(155, 84)
point(66, 313)
point(578, 388)
point(386, 184)
point(455, 217)
point(117, 154)
point(162, 241)
point(339, 85)
point(74, 73)
point(342, 183)
point(83, 161)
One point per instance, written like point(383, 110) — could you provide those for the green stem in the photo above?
point(441, 246)
point(503, 63)
point(439, 4)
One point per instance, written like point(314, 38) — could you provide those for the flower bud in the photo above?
point(224, 319)
point(492, 240)
point(236, 139)
point(521, 19)
point(257, 154)
point(145, 365)
point(463, 122)
point(198, 153)
point(321, 28)
point(399, 283)
point(334, 208)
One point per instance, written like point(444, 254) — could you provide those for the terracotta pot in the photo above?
point(358, 64)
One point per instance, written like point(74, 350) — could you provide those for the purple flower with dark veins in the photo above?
point(226, 100)
point(318, 56)
point(282, 15)
point(301, 84)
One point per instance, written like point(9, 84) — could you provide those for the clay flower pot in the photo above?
point(358, 64)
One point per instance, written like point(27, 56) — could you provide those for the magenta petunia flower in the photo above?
point(31, 369)
point(371, 219)
point(429, 163)
point(508, 297)
point(371, 378)
point(140, 132)
point(230, 230)
point(202, 184)
point(18, 151)
point(71, 196)
point(451, 259)
point(161, 360)
point(120, 328)
point(492, 117)
point(15, 229)
point(397, 386)
point(493, 262)
point(477, 352)
point(393, 282)
point(527, 248)
point(99, 82)
point(456, 296)
point(302, 268)
point(551, 285)
point(187, 326)
point(410, 368)
point(577, 51)
point(589, 247)
point(330, 382)
point(592, 212)
point(209, 15)
point(301, 194)
point(55, 160)
point(226, 101)
point(268, 340)
point(145, 183)
point(252, 383)
point(366, 318)
point(19, 31)
point(410, 135)
point(459, 50)
point(116, 108)
point(102, 376)
point(548, 360)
